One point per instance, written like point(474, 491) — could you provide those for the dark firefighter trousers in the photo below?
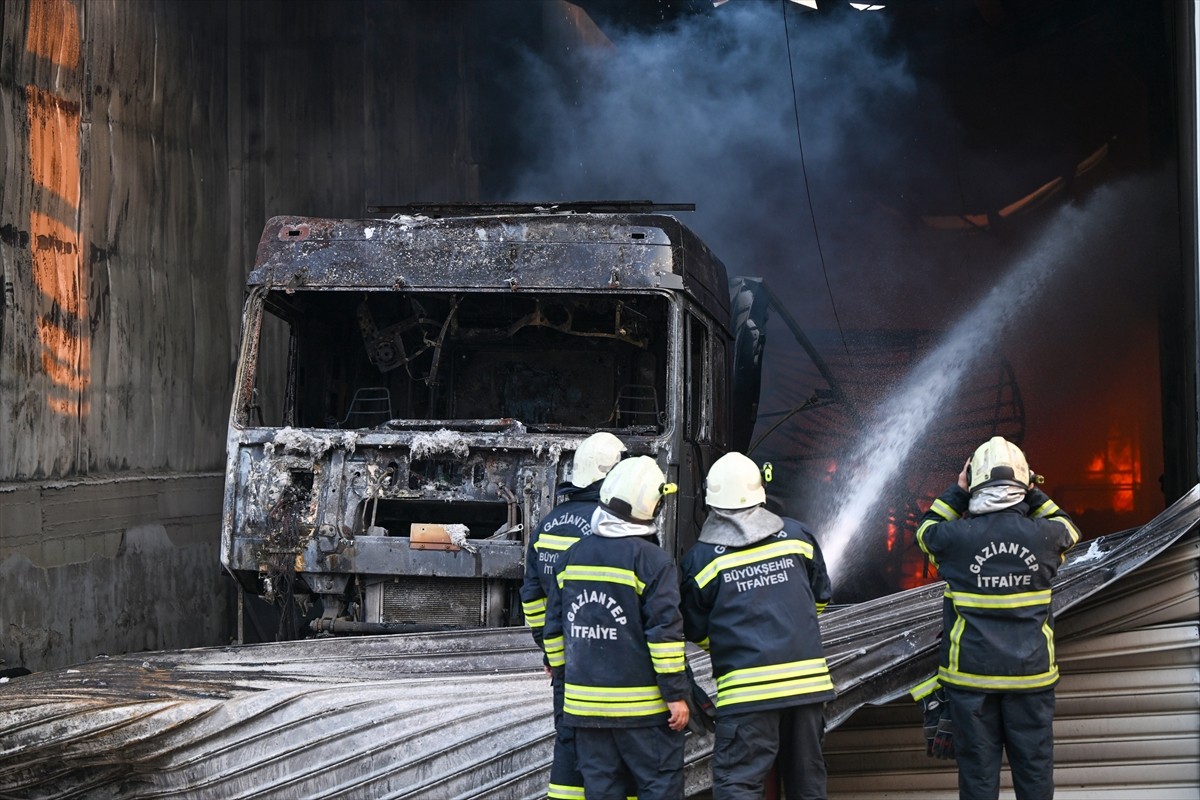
point(653, 755)
point(986, 725)
point(747, 745)
point(566, 781)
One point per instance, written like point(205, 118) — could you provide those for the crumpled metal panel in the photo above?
point(456, 714)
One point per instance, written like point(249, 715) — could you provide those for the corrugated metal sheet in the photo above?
point(468, 714)
point(1127, 721)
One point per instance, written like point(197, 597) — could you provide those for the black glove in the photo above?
point(931, 707)
point(702, 713)
point(943, 738)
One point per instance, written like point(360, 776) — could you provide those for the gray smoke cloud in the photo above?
point(703, 112)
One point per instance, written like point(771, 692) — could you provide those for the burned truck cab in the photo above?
point(410, 391)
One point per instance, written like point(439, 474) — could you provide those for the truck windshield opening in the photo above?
point(551, 361)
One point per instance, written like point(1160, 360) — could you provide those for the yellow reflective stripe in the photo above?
point(666, 666)
point(1017, 600)
point(663, 649)
point(625, 577)
point(956, 632)
point(582, 691)
point(612, 701)
point(703, 644)
point(1045, 509)
point(534, 606)
point(973, 681)
point(773, 672)
point(561, 791)
point(1048, 632)
point(774, 690)
point(1050, 509)
point(1071, 529)
point(926, 525)
point(555, 651)
point(821, 607)
point(754, 556)
point(535, 613)
point(667, 657)
point(614, 709)
point(548, 541)
point(925, 688)
point(944, 509)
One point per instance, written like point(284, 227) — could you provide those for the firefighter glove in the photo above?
point(703, 712)
point(943, 738)
point(932, 706)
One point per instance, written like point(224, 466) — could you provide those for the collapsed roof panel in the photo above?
point(430, 715)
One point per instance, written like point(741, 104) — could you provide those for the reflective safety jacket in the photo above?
point(998, 629)
point(614, 634)
point(754, 608)
point(570, 521)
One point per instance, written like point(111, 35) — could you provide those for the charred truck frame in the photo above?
point(410, 392)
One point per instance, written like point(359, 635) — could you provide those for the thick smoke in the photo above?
point(703, 113)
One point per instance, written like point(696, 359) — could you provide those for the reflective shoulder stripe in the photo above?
point(1071, 529)
point(579, 572)
point(547, 541)
point(944, 509)
point(1052, 510)
point(1017, 600)
point(1045, 509)
point(752, 556)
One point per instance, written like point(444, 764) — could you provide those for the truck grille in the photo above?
point(435, 601)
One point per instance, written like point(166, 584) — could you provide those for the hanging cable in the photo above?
point(804, 171)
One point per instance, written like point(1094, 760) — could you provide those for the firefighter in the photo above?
point(997, 541)
point(614, 638)
point(752, 589)
point(567, 524)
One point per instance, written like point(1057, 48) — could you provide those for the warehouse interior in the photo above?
point(1009, 173)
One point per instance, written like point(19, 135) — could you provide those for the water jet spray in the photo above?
point(906, 416)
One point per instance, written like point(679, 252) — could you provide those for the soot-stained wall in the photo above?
point(144, 145)
point(118, 327)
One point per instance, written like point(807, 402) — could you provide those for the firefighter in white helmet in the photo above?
point(614, 636)
point(570, 521)
point(753, 586)
point(997, 541)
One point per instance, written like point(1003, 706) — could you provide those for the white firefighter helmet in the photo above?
point(734, 481)
point(597, 454)
point(997, 462)
point(634, 489)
